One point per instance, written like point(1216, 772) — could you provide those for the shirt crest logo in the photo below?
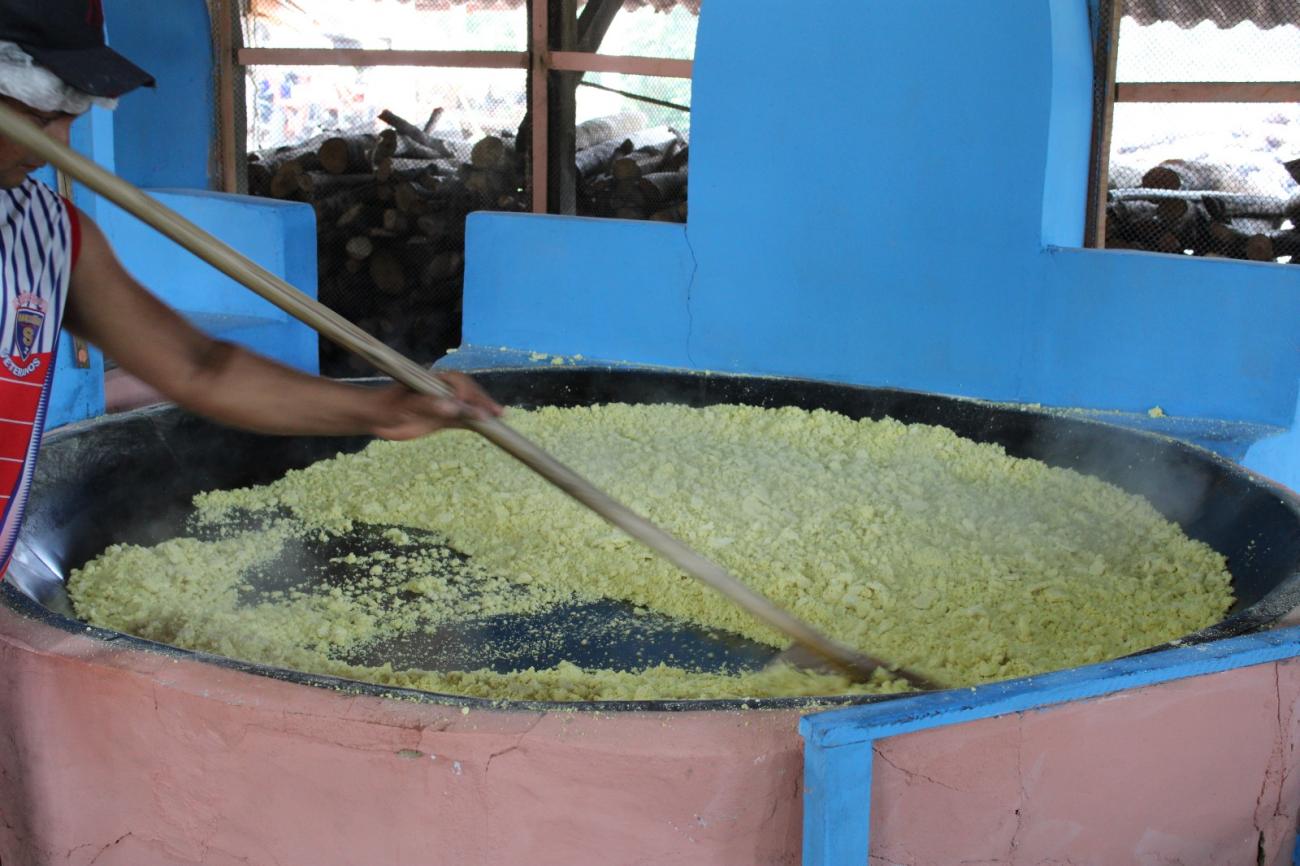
point(29, 318)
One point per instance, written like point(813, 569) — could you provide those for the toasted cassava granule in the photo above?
point(905, 541)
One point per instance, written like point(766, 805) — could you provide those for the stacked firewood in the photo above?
point(390, 215)
point(641, 175)
point(1189, 207)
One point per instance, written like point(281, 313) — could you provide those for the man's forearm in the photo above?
point(236, 387)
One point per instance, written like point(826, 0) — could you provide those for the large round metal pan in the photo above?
point(130, 478)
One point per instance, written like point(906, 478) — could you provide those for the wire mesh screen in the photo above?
point(631, 154)
point(1207, 178)
point(391, 158)
point(633, 132)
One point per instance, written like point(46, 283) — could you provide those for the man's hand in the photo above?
point(403, 414)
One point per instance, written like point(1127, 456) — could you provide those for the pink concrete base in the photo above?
point(1196, 772)
point(123, 392)
point(115, 757)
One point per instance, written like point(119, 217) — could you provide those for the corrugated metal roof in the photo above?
point(1266, 14)
point(657, 5)
point(272, 8)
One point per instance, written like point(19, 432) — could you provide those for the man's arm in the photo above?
point(228, 384)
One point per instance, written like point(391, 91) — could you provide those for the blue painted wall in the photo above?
point(280, 236)
point(165, 135)
point(916, 232)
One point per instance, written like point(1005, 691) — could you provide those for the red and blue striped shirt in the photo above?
point(39, 242)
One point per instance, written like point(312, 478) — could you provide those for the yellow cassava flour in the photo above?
point(905, 541)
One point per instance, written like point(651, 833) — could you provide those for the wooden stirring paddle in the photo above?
point(814, 644)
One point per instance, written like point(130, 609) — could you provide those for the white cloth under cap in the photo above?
point(35, 86)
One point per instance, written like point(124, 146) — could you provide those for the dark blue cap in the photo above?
point(67, 38)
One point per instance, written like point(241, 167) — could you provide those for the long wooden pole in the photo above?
point(329, 324)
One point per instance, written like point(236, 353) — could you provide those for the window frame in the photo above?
point(557, 43)
point(1109, 91)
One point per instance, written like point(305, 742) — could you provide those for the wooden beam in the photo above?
point(594, 23)
point(369, 57)
point(1209, 91)
point(1105, 54)
point(562, 174)
point(539, 73)
point(227, 137)
point(661, 67)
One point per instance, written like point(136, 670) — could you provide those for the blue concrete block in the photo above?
point(280, 236)
point(621, 288)
point(78, 393)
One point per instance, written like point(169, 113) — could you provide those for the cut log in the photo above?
point(661, 187)
point(1255, 206)
point(614, 126)
point(1188, 223)
point(396, 222)
point(259, 179)
point(410, 131)
point(321, 184)
point(487, 185)
point(1123, 176)
point(409, 199)
point(285, 183)
point(1185, 174)
point(1293, 166)
point(1171, 210)
point(385, 147)
point(592, 161)
point(626, 194)
point(432, 123)
point(436, 227)
point(489, 153)
point(1254, 226)
point(360, 248)
point(657, 137)
point(305, 153)
point(1287, 244)
point(1259, 248)
point(346, 154)
point(407, 149)
point(1132, 221)
point(634, 165)
point(441, 269)
point(359, 215)
point(676, 157)
point(388, 272)
point(331, 210)
point(672, 214)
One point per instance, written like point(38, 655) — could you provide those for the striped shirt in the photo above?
point(39, 241)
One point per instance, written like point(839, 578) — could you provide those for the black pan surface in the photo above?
point(130, 479)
